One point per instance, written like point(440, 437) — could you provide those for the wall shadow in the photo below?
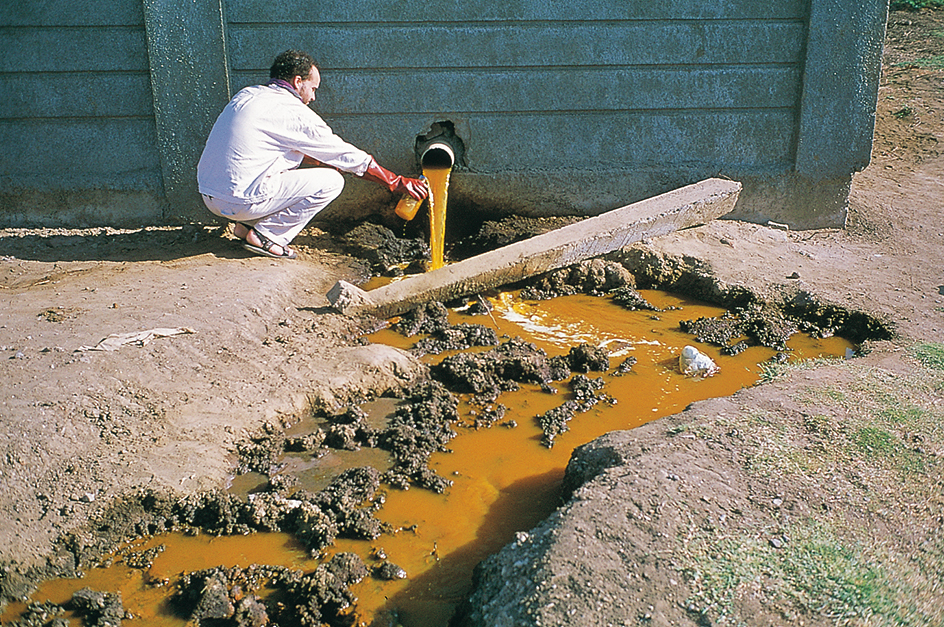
point(98, 244)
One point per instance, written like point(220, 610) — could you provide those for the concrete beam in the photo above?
point(679, 209)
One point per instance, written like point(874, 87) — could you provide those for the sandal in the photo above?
point(266, 248)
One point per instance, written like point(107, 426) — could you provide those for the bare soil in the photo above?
point(257, 343)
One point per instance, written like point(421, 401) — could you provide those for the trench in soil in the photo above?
point(504, 479)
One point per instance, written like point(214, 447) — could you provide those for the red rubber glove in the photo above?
point(396, 183)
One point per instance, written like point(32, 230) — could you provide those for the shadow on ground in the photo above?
point(439, 591)
point(105, 244)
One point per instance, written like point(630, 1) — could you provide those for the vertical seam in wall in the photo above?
point(798, 105)
point(227, 69)
point(190, 83)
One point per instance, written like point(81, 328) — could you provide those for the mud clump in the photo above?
point(625, 367)
point(428, 318)
point(594, 277)
point(260, 452)
point(319, 597)
point(584, 390)
point(227, 597)
point(420, 426)
point(735, 331)
point(342, 500)
point(493, 234)
point(42, 615)
point(143, 560)
point(98, 609)
point(719, 331)
point(432, 319)
point(455, 338)
point(388, 571)
point(821, 320)
point(488, 374)
point(488, 415)
point(349, 431)
point(386, 253)
point(585, 357)
point(344, 509)
point(632, 300)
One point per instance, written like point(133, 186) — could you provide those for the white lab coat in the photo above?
point(264, 130)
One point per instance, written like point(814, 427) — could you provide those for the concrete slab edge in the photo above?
point(666, 213)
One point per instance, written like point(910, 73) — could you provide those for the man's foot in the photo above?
point(241, 230)
point(258, 243)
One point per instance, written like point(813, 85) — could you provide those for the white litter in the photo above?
point(694, 363)
point(140, 338)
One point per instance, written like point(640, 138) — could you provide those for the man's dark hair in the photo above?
point(290, 64)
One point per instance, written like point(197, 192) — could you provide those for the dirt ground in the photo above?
point(254, 341)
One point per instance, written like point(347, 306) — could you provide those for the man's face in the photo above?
point(306, 86)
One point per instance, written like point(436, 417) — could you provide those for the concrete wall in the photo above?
point(561, 108)
point(76, 115)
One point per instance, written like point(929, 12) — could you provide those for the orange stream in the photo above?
point(438, 178)
point(504, 479)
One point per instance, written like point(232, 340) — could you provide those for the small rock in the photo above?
point(388, 571)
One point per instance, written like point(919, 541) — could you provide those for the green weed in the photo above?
point(866, 436)
point(811, 572)
point(915, 5)
point(931, 63)
point(931, 355)
point(875, 441)
point(896, 414)
point(770, 371)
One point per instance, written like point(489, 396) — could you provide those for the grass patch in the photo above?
point(935, 62)
point(867, 440)
point(903, 415)
point(822, 395)
point(930, 355)
point(770, 371)
point(812, 572)
point(862, 447)
point(915, 5)
point(875, 441)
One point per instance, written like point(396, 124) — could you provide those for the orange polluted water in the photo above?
point(438, 178)
point(505, 481)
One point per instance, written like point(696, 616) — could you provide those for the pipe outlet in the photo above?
point(438, 154)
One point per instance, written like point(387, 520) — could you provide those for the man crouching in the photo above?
point(249, 170)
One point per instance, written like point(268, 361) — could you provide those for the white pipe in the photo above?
point(438, 153)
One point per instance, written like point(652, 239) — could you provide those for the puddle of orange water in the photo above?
point(142, 593)
point(504, 480)
point(438, 178)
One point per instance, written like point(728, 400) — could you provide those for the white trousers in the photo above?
point(296, 197)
